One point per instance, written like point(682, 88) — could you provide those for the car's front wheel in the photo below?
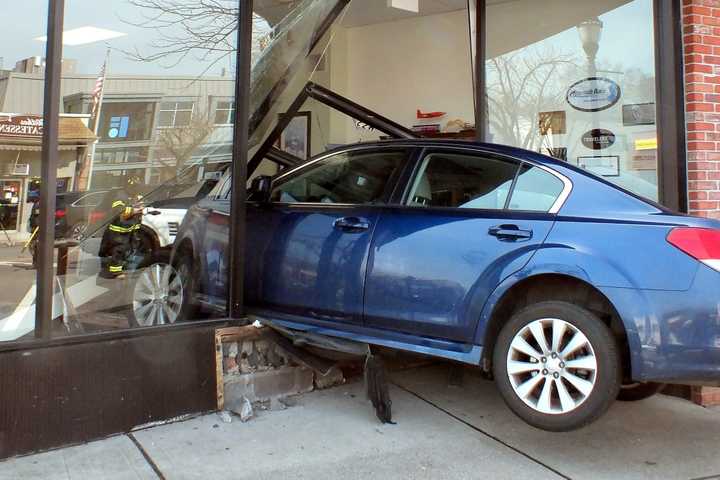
point(557, 366)
point(158, 295)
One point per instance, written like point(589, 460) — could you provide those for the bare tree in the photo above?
point(204, 30)
point(520, 86)
point(175, 146)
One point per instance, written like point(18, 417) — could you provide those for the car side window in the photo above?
point(89, 200)
point(459, 180)
point(358, 177)
point(535, 190)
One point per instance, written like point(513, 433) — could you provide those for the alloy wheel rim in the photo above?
point(158, 295)
point(552, 366)
point(78, 231)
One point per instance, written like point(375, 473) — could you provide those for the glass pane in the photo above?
point(579, 86)
point(384, 59)
point(535, 190)
point(463, 181)
point(357, 178)
point(130, 261)
point(22, 62)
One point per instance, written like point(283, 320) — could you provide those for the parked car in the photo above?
point(72, 211)
point(570, 290)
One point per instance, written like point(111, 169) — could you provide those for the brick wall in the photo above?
point(701, 43)
point(701, 38)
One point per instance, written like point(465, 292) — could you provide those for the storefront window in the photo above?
point(21, 127)
point(576, 81)
point(412, 68)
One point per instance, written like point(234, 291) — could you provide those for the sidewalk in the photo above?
point(442, 432)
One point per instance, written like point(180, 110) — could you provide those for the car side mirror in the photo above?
point(260, 189)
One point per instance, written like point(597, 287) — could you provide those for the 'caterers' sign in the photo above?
point(22, 126)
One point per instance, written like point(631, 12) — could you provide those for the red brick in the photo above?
point(698, 175)
point(710, 195)
point(713, 175)
point(696, 58)
point(714, 21)
point(700, 195)
point(701, 126)
point(712, 59)
point(702, 166)
point(712, 136)
point(698, 68)
point(702, 185)
point(712, 156)
point(708, 39)
point(700, 107)
point(696, 10)
point(697, 48)
point(700, 87)
point(703, 205)
point(694, 77)
point(712, 97)
point(701, 146)
point(695, 97)
point(692, 20)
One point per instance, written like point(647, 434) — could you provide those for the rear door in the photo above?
point(467, 220)
point(308, 248)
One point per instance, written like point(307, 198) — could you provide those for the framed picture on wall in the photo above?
point(295, 139)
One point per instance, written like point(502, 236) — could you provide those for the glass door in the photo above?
point(9, 204)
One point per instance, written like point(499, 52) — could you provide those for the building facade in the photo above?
point(626, 89)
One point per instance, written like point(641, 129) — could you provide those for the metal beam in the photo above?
point(358, 112)
point(240, 159)
point(283, 158)
point(48, 170)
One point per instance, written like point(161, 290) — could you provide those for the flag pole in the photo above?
point(96, 125)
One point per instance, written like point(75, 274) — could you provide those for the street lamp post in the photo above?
point(590, 32)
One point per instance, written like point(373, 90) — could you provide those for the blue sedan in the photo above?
point(569, 290)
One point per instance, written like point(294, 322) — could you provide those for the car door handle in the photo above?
point(510, 232)
point(351, 224)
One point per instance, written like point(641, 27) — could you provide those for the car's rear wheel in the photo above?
point(557, 365)
point(78, 231)
point(158, 294)
point(633, 392)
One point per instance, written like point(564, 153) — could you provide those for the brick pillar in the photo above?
point(701, 39)
point(701, 42)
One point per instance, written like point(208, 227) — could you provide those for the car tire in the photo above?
point(78, 231)
point(634, 392)
point(156, 296)
point(187, 272)
point(569, 382)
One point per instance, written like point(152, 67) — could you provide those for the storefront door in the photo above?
point(10, 204)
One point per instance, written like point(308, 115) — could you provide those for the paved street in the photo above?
point(442, 431)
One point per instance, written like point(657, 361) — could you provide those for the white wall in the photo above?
point(394, 68)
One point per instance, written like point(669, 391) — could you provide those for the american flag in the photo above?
point(97, 91)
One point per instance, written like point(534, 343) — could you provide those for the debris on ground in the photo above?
point(377, 388)
point(225, 416)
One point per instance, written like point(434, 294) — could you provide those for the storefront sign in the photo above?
point(21, 126)
point(598, 138)
point(646, 144)
point(593, 94)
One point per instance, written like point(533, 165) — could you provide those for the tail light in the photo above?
point(96, 217)
point(702, 244)
point(59, 213)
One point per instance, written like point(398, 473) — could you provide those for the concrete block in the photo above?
point(333, 378)
point(261, 386)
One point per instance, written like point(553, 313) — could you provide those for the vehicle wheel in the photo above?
point(78, 231)
point(189, 310)
point(157, 296)
point(633, 392)
point(557, 366)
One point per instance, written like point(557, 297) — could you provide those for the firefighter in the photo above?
point(117, 241)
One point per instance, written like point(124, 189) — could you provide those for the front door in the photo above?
point(10, 204)
point(307, 248)
point(468, 221)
